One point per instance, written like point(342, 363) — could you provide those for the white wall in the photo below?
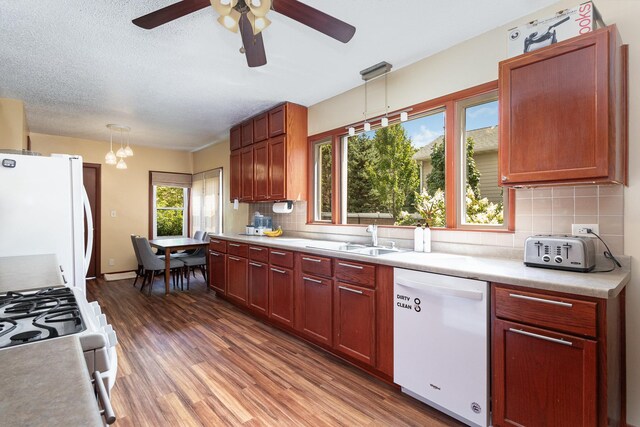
point(474, 62)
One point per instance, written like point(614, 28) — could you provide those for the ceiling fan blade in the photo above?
point(253, 45)
point(320, 21)
point(169, 13)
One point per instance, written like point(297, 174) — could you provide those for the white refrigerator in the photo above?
point(43, 206)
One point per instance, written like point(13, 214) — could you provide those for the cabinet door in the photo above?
point(217, 272)
point(247, 133)
point(260, 171)
point(281, 295)
point(354, 314)
point(237, 279)
point(235, 141)
point(261, 128)
point(315, 303)
point(554, 112)
point(542, 378)
point(277, 168)
point(258, 287)
point(235, 167)
point(246, 166)
point(277, 121)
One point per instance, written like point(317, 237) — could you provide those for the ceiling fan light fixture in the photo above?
point(259, 7)
point(223, 7)
point(258, 23)
point(230, 21)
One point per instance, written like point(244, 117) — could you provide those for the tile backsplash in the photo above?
point(538, 211)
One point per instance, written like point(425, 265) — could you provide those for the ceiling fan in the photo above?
point(249, 16)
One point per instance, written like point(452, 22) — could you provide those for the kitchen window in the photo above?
point(440, 167)
point(169, 204)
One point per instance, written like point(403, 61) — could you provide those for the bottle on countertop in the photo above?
point(426, 239)
point(418, 239)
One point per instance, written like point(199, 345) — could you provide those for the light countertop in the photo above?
point(501, 270)
point(21, 273)
point(47, 383)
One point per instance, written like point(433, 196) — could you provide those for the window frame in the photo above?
point(152, 206)
point(220, 191)
point(451, 105)
point(186, 212)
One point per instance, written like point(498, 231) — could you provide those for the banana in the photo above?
point(274, 233)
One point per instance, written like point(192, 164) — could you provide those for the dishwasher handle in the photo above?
point(441, 290)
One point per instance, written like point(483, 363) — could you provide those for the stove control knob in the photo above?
point(546, 258)
point(102, 320)
point(558, 259)
point(111, 335)
point(96, 308)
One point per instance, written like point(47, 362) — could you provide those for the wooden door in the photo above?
point(542, 378)
point(246, 131)
point(261, 128)
point(235, 167)
point(235, 141)
point(246, 168)
point(259, 287)
point(554, 112)
point(354, 323)
point(237, 279)
point(217, 272)
point(281, 295)
point(277, 121)
point(260, 171)
point(314, 304)
point(277, 168)
point(91, 180)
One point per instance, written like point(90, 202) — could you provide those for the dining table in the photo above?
point(173, 245)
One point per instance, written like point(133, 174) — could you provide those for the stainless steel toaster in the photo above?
point(573, 253)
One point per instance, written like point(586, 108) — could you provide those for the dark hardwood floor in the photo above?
point(191, 359)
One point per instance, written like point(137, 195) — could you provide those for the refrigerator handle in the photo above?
point(440, 290)
point(87, 213)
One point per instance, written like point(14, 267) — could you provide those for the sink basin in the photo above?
point(375, 251)
point(351, 247)
point(356, 248)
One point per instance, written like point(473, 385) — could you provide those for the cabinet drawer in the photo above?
point(281, 258)
point(355, 272)
point(258, 253)
point(559, 313)
point(218, 245)
point(238, 249)
point(315, 265)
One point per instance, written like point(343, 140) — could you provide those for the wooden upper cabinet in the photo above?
point(235, 166)
point(246, 172)
point(277, 121)
point(261, 128)
point(562, 113)
point(277, 168)
point(260, 171)
point(235, 138)
point(247, 133)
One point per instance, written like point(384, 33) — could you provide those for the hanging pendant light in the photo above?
point(352, 131)
point(127, 150)
point(367, 126)
point(110, 158)
point(404, 116)
point(121, 153)
point(121, 164)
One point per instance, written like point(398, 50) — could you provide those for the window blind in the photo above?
point(169, 179)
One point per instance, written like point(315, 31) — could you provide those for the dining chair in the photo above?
point(140, 270)
point(193, 261)
point(153, 265)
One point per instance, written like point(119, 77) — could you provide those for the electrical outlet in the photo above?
point(112, 262)
point(581, 229)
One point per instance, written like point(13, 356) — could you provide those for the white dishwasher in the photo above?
point(441, 351)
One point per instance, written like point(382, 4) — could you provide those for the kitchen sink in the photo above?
point(355, 248)
point(375, 251)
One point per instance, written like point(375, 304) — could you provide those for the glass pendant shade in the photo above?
point(367, 126)
point(352, 131)
point(121, 164)
point(110, 158)
point(223, 7)
point(230, 21)
point(258, 23)
point(259, 7)
point(128, 151)
point(384, 122)
point(121, 153)
point(404, 116)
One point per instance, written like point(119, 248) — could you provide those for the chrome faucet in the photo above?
point(373, 229)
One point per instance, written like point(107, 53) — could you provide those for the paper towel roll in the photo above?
point(283, 207)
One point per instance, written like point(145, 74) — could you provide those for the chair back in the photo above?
point(135, 248)
point(199, 235)
point(149, 260)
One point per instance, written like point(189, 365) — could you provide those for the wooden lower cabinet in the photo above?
point(259, 287)
point(281, 295)
point(237, 279)
point(542, 378)
point(217, 272)
point(354, 322)
point(313, 303)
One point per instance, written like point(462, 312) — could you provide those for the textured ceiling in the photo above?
point(79, 65)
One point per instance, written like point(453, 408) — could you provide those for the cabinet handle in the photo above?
point(255, 249)
point(358, 267)
point(309, 279)
point(311, 259)
point(278, 271)
point(355, 291)
point(277, 253)
point(232, 258)
point(546, 301)
point(213, 253)
point(542, 337)
point(214, 241)
point(234, 245)
point(101, 391)
point(255, 264)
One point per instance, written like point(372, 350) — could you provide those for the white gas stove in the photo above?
point(32, 316)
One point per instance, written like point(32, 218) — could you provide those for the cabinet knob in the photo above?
point(504, 178)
